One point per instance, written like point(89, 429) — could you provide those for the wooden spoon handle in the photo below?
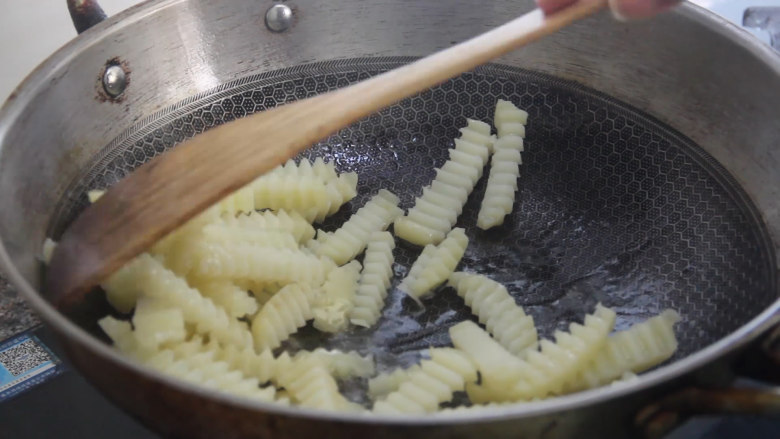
point(172, 188)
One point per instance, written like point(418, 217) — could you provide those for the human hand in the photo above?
point(622, 9)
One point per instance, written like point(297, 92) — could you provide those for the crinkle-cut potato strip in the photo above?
point(642, 346)
point(121, 288)
point(345, 183)
point(477, 132)
point(268, 220)
point(508, 119)
point(437, 210)
point(499, 369)
point(499, 197)
point(202, 368)
point(342, 364)
point(238, 372)
point(184, 233)
point(238, 213)
point(545, 372)
point(351, 238)
point(447, 371)
point(49, 245)
point(262, 366)
point(146, 276)
point(253, 262)
point(375, 279)
point(497, 310)
point(236, 301)
point(336, 301)
point(224, 234)
point(435, 264)
point(121, 333)
point(283, 314)
point(426, 258)
point(385, 383)
point(156, 323)
point(292, 189)
point(223, 245)
point(310, 384)
point(305, 195)
point(184, 253)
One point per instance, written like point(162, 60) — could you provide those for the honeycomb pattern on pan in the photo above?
point(612, 206)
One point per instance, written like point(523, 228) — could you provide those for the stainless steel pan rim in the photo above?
point(49, 71)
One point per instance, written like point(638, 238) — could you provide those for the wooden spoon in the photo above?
point(175, 186)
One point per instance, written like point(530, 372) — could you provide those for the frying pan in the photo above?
point(651, 180)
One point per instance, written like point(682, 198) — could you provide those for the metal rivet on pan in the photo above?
point(278, 18)
point(114, 80)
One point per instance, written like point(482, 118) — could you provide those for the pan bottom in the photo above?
point(613, 206)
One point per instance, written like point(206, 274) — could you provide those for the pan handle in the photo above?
point(85, 14)
point(760, 363)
